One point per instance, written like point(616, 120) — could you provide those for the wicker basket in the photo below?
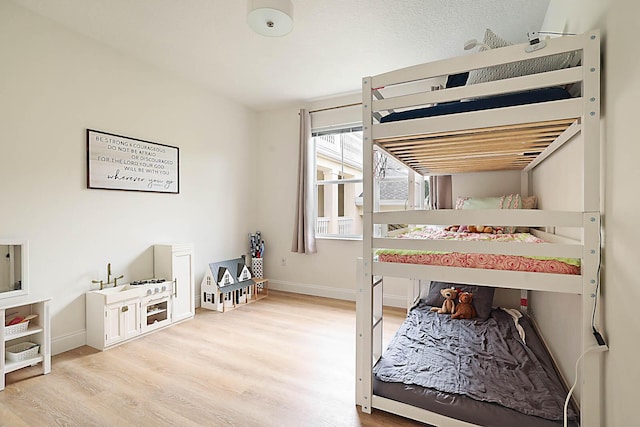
point(16, 329)
point(22, 351)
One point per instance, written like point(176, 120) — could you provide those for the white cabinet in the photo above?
point(111, 323)
point(122, 321)
point(175, 262)
point(118, 314)
point(38, 332)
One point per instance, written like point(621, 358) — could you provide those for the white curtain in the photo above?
point(304, 238)
point(440, 192)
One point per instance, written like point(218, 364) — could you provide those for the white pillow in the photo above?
point(516, 69)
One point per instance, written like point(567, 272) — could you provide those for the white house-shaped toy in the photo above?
point(227, 284)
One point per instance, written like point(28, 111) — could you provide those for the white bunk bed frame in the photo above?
point(585, 112)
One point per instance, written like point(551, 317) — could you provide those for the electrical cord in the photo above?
point(596, 333)
point(599, 348)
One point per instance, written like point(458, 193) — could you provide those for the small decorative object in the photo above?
point(117, 162)
point(465, 309)
point(256, 247)
point(449, 304)
point(257, 268)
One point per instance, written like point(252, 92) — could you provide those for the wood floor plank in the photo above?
point(287, 360)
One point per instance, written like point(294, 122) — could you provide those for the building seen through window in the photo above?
point(338, 197)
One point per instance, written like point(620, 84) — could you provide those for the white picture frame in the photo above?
point(116, 162)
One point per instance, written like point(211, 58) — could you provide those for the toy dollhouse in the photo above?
point(228, 284)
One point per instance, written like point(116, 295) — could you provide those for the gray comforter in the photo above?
point(487, 361)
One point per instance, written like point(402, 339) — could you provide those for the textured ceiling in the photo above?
point(334, 43)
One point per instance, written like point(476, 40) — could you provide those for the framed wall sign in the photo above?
point(117, 162)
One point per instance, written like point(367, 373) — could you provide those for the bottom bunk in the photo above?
point(489, 370)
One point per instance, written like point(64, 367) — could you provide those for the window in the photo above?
point(338, 156)
point(338, 194)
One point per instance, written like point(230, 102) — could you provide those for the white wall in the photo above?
point(55, 84)
point(617, 19)
point(485, 184)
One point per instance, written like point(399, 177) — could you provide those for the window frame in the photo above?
point(332, 130)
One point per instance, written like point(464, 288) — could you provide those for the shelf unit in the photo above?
point(38, 332)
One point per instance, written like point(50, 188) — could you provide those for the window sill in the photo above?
point(348, 238)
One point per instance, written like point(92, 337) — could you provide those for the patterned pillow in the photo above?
point(510, 201)
point(516, 69)
point(530, 202)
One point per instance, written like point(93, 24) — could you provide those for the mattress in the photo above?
point(485, 103)
point(508, 365)
point(478, 260)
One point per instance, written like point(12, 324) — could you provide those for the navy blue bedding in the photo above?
point(498, 101)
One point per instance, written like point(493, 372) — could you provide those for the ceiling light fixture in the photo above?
point(271, 18)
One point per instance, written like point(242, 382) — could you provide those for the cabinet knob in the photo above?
point(125, 308)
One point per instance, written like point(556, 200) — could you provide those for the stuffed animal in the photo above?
point(449, 304)
point(465, 309)
point(483, 229)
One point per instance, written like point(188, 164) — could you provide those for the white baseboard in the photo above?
point(331, 292)
point(68, 342)
point(399, 301)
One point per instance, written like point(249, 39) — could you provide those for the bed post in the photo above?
point(365, 281)
point(591, 393)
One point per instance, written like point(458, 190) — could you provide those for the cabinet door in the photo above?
point(113, 332)
point(122, 321)
point(130, 314)
point(183, 301)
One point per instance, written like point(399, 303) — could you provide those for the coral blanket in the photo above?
point(478, 260)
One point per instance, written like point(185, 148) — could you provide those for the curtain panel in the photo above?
point(440, 193)
point(304, 239)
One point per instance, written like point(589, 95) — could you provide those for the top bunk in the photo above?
point(505, 108)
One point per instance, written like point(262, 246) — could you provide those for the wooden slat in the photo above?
point(516, 126)
point(509, 147)
point(479, 137)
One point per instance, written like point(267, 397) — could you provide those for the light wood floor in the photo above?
point(287, 360)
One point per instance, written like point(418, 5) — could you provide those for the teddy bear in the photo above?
point(464, 309)
point(449, 304)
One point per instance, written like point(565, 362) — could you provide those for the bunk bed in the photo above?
point(514, 123)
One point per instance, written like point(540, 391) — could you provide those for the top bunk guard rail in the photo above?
point(477, 60)
point(514, 84)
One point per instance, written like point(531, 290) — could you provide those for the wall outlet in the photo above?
point(283, 261)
